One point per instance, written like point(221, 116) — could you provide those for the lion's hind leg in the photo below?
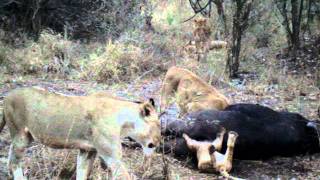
point(85, 161)
point(16, 152)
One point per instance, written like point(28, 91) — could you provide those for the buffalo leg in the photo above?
point(217, 143)
point(232, 137)
point(224, 162)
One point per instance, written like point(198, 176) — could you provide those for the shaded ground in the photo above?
point(45, 163)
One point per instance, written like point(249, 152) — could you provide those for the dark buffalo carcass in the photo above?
point(263, 132)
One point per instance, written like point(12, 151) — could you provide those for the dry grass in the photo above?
point(54, 56)
point(129, 60)
point(119, 63)
point(41, 162)
point(50, 54)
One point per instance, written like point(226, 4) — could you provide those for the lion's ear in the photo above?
point(151, 100)
point(146, 109)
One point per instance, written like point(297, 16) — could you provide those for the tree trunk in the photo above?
point(307, 28)
point(292, 27)
point(234, 51)
point(240, 23)
point(318, 70)
point(318, 75)
point(296, 19)
point(286, 23)
point(222, 15)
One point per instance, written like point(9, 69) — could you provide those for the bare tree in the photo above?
point(239, 25)
point(222, 15)
point(309, 16)
point(291, 22)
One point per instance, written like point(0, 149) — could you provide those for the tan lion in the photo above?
point(94, 124)
point(203, 43)
point(201, 34)
point(192, 93)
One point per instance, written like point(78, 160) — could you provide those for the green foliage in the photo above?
point(170, 18)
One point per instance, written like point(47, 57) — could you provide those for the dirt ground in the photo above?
point(45, 163)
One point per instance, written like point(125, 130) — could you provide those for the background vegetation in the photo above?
point(272, 57)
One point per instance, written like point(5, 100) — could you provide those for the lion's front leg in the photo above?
point(16, 152)
point(111, 154)
point(117, 168)
point(15, 165)
point(146, 163)
point(84, 164)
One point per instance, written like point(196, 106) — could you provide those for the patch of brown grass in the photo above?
point(120, 63)
point(50, 54)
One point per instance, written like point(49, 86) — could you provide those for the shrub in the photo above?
point(118, 63)
point(50, 54)
point(79, 19)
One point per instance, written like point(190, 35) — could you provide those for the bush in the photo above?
point(78, 19)
point(50, 54)
point(118, 63)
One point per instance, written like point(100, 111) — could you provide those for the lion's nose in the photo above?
point(151, 145)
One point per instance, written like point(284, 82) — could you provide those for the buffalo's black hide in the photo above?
point(263, 132)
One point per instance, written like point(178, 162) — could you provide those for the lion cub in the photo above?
point(201, 43)
point(192, 93)
point(94, 124)
point(201, 34)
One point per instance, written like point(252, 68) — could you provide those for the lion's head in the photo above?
point(147, 130)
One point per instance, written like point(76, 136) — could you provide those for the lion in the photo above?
point(201, 33)
point(94, 124)
point(192, 93)
point(201, 36)
point(202, 41)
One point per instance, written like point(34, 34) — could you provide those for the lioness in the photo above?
point(94, 124)
point(192, 93)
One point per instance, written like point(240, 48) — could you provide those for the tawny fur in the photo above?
point(201, 33)
point(192, 93)
point(217, 45)
point(201, 43)
point(94, 124)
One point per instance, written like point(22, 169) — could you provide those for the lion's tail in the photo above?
point(2, 120)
